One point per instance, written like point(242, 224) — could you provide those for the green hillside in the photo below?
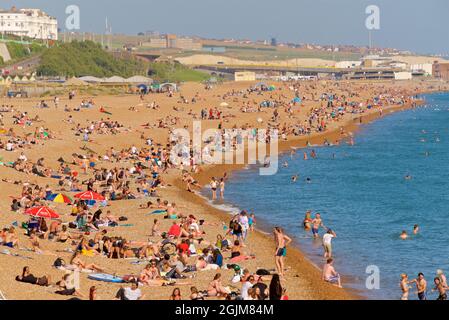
point(175, 72)
point(86, 58)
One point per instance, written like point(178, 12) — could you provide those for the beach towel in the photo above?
point(8, 253)
point(105, 278)
point(241, 258)
point(158, 212)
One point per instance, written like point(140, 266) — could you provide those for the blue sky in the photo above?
point(418, 25)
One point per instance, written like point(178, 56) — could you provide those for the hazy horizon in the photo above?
point(417, 26)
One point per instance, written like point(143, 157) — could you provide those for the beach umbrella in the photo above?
point(42, 212)
point(224, 104)
point(59, 198)
point(89, 195)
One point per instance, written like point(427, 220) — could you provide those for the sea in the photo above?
point(395, 175)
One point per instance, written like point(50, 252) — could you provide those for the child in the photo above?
point(251, 221)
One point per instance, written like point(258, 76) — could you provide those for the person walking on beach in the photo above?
point(404, 286)
point(327, 243)
point(282, 241)
point(421, 286)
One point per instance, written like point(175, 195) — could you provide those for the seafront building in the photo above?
point(31, 23)
point(172, 41)
point(441, 70)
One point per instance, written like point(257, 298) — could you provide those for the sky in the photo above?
point(421, 26)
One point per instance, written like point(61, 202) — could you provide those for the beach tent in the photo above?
point(296, 100)
point(167, 85)
point(224, 104)
point(271, 88)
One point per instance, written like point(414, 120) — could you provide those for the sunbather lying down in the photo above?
point(28, 277)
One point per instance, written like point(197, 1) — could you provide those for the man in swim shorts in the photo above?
point(316, 224)
point(421, 286)
point(282, 241)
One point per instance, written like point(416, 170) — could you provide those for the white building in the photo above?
point(32, 23)
point(347, 64)
point(403, 75)
point(425, 67)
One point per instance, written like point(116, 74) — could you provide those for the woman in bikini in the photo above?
point(215, 288)
point(77, 262)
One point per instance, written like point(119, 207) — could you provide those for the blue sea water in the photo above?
point(362, 194)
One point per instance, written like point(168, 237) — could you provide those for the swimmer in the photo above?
point(285, 164)
point(294, 178)
point(305, 155)
point(308, 180)
point(403, 235)
point(313, 154)
point(415, 229)
point(408, 177)
point(307, 221)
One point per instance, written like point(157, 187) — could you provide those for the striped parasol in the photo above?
point(59, 198)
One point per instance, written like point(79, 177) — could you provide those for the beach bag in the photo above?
point(59, 262)
point(263, 272)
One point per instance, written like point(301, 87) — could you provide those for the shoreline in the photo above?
point(295, 252)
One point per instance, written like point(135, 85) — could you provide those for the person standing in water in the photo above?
point(307, 221)
point(222, 188)
point(213, 186)
point(404, 286)
point(282, 241)
point(441, 289)
point(327, 243)
point(316, 224)
point(421, 286)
